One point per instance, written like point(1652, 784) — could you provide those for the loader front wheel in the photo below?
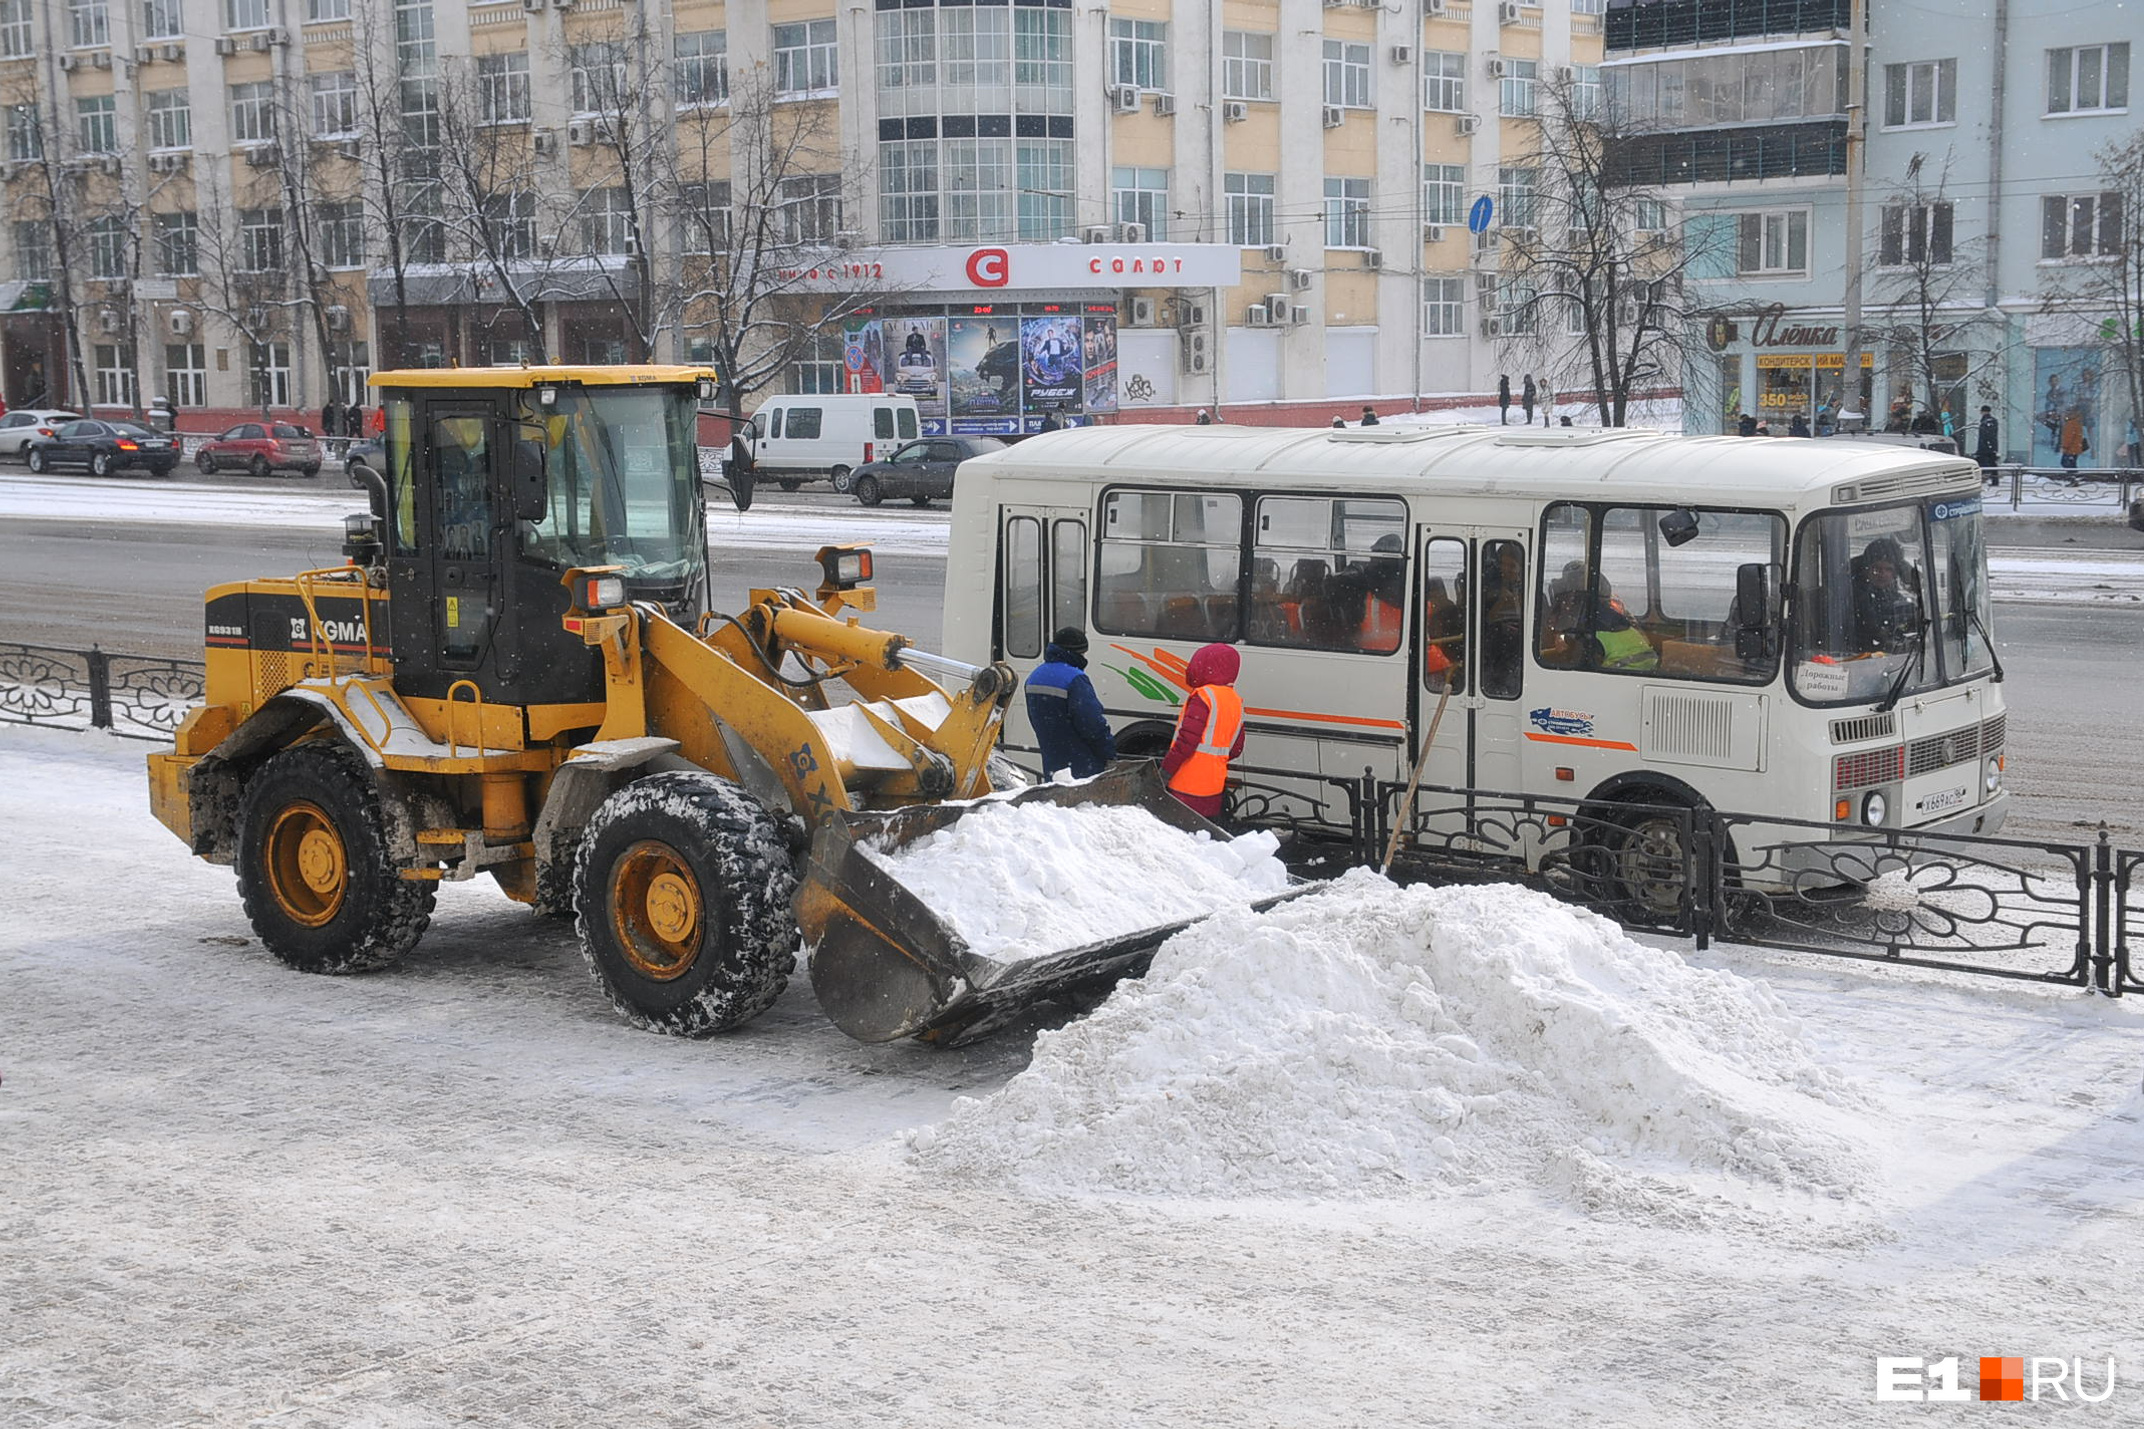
point(683, 889)
point(313, 867)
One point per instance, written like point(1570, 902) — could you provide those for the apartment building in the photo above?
point(1258, 204)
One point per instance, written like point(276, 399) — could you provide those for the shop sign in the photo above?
point(1771, 329)
point(1026, 266)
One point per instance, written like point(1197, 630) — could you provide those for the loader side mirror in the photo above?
point(528, 480)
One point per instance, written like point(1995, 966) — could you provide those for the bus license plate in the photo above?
point(1948, 799)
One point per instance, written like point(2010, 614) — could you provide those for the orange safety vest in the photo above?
point(1380, 628)
point(1206, 771)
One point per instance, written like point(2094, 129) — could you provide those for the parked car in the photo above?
point(921, 471)
point(104, 447)
point(18, 428)
point(261, 447)
point(368, 455)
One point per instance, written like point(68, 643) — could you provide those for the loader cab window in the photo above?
point(461, 460)
point(622, 472)
point(401, 416)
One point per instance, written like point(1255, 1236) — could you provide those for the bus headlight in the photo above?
point(1873, 808)
point(1995, 772)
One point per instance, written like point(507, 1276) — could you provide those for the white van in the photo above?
point(796, 439)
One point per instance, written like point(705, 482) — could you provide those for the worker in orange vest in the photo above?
point(1209, 731)
point(1384, 603)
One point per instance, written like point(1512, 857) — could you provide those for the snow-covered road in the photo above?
point(461, 1191)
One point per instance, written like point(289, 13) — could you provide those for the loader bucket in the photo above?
point(886, 966)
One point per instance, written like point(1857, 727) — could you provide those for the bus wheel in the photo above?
point(1637, 860)
point(1145, 741)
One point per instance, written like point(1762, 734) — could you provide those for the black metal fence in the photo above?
point(133, 696)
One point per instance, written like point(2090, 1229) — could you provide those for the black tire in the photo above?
point(35, 461)
point(205, 462)
point(919, 501)
point(867, 490)
point(100, 464)
point(1634, 861)
point(258, 466)
point(683, 888)
point(305, 811)
point(788, 483)
point(840, 476)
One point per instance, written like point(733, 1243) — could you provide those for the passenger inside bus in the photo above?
point(1503, 607)
point(1444, 638)
point(1383, 583)
point(1887, 612)
point(1587, 627)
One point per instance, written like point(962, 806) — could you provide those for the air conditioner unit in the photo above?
point(1124, 98)
point(1467, 124)
point(580, 132)
point(1142, 312)
point(562, 4)
point(1507, 12)
point(1432, 233)
point(225, 45)
point(1335, 116)
point(1523, 232)
point(1488, 326)
point(68, 62)
point(544, 141)
point(1402, 54)
point(1256, 316)
point(1487, 241)
point(1234, 111)
point(1433, 7)
point(261, 156)
point(1097, 233)
point(1189, 314)
point(1197, 353)
point(102, 59)
point(1279, 308)
point(1493, 66)
point(1373, 259)
point(144, 54)
point(532, 6)
point(1298, 314)
point(1164, 105)
point(164, 163)
point(1300, 278)
point(1131, 233)
point(108, 319)
point(262, 40)
point(172, 54)
point(338, 317)
point(1276, 253)
point(106, 163)
point(1561, 74)
point(182, 322)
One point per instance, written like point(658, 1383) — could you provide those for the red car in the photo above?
point(261, 447)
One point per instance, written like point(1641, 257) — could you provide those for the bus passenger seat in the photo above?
point(1181, 619)
point(1221, 617)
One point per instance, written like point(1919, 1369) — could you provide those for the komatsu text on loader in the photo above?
point(518, 673)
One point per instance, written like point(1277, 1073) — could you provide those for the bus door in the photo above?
point(1470, 652)
point(1041, 588)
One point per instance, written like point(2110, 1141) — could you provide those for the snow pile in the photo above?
point(1021, 880)
point(1368, 1039)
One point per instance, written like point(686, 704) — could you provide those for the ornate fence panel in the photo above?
point(134, 696)
point(2125, 891)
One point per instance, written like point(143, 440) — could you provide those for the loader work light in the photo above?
point(603, 592)
point(845, 566)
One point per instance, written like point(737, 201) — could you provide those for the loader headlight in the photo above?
point(602, 593)
point(845, 566)
point(1873, 808)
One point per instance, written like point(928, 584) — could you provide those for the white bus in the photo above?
point(1793, 629)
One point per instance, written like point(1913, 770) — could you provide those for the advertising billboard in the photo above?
point(983, 373)
point(1052, 377)
point(1098, 334)
point(863, 355)
point(919, 361)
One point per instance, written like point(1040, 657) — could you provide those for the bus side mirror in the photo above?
point(1753, 611)
point(525, 473)
point(1679, 527)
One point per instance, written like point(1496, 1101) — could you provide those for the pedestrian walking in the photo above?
point(1986, 447)
point(2074, 443)
point(331, 419)
point(2135, 457)
point(1527, 394)
point(1799, 427)
point(1065, 712)
point(1209, 731)
point(1503, 398)
point(1369, 416)
point(353, 420)
point(1747, 427)
point(1050, 423)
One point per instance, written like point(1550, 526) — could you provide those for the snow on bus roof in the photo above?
point(1782, 471)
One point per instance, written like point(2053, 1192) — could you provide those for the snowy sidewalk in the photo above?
point(462, 1191)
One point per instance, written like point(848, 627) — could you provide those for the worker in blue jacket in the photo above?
point(1066, 712)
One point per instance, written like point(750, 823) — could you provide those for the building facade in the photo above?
point(237, 203)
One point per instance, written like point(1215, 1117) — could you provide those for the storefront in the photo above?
point(1775, 368)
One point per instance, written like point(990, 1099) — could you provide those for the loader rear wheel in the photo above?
point(313, 868)
point(683, 889)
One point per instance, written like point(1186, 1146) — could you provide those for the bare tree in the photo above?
point(2108, 228)
point(51, 194)
point(309, 175)
point(391, 163)
point(490, 198)
point(1588, 278)
point(244, 278)
point(1928, 288)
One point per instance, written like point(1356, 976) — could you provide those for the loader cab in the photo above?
point(499, 481)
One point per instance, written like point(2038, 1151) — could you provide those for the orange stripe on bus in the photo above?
point(1587, 743)
point(1330, 718)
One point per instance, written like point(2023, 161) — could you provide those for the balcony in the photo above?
point(1718, 156)
point(1669, 23)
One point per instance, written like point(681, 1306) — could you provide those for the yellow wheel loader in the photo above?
point(518, 673)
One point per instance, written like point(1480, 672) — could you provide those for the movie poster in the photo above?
point(863, 354)
point(1100, 335)
point(983, 373)
point(2065, 381)
point(1051, 375)
point(919, 363)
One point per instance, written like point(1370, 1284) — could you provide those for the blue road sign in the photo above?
point(1478, 216)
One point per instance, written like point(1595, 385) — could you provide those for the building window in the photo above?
point(2087, 79)
point(178, 245)
point(598, 75)
point(819, 369)
point(1139, 53)
point(90, 22)
point(1650, 215)
point(1445, 81)
point(107, 248)
point(1246, 65)
point(342, 233)
point(33, 249)
point(1731, 86)
point(1444, 193)
point(115, 376)
point(334, 103)
point(260, 240)
point(424, 232)
point(1512, 302)
point(245, 14)
point(186, 374)
point(510, 224)
point(1915, 233)
point(171, 119)
point(1515, 196)
point(503, 83)
point(1045, 183)
point(1585, 91)
point(976, 46)
point(606, 222)
point(1516, 94)
point(978, 190)
point(907, 49)
point(1141, 196)
point(908, 190)
point(1347, 213)
point(98, 119)
point(270, 374)
point(808, 208)
point(1042, 60)
point(2080, 225)
point(25, 136)
point(805, 59)
point(1347, 75)
point(1589, 7)
point(1250, 209)
point(16, 29)
point(1773, 241)
point(703, 67)
point(327, 9)
point(1923, 93)
point(163, 20)
point(253, 113)
point(704, 218)
point(1444, 312)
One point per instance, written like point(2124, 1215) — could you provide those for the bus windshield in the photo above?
point(622, 470)
point(1891, 599)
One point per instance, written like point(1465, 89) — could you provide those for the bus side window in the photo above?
point(1444, 619)
point(1068, 574)
point(1023, 587)
point(1503, 607)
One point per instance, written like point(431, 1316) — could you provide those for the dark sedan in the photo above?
point(104, 447)
point(922, 470)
